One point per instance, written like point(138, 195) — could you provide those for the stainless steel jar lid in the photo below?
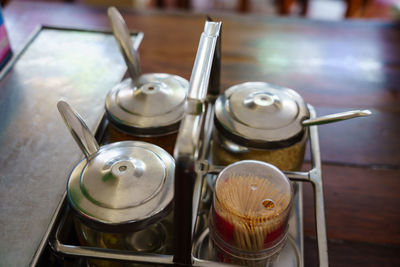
point(154, 107)
point(261, 115)
point(124, 186)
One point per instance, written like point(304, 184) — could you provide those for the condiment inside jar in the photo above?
point(166, 141)
point(225, 152)
point(156, 238)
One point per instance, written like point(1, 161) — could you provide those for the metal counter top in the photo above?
point(36, 150)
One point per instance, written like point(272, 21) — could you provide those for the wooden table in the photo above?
point(335, 66)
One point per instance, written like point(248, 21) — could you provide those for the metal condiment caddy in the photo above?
point(193, 170)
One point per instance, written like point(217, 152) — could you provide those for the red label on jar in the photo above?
point(270, 239)
point(223, 228)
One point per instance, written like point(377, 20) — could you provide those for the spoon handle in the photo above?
point(202, 64)
point(337, 117)
point(79, 130)
point(122, 35)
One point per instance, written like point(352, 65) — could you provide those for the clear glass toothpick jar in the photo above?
point(249, 217)
point(120, 193)
point(260, 121)
point(144, 107)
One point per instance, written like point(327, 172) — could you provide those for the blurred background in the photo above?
point(313, 9)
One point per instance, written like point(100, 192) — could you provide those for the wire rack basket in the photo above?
point(194, 210)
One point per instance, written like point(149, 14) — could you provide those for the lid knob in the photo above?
point(151, 88)
point(126, 168)
point(263, 100)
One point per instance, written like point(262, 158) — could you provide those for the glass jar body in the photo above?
point(165, 141)
point(225, 152)
point(156, 238)
point(223, 252)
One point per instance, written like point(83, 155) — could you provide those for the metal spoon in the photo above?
point(337, 117)
point(78, 128)
point(124, 41)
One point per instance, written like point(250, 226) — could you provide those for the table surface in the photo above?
point(335, 66)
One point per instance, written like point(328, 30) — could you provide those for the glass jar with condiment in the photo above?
point(150, 111)
point(260, 121)
point(143, 107)
point(121, 194)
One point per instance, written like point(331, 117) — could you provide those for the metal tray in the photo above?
point(292, 254)
point(192, 161)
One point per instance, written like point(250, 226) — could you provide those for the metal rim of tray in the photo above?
point(204, 238)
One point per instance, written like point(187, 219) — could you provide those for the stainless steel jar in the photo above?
point(121, 193)
point(150, 111)
point(123, 187)
point(145, 107)
point(260, 121)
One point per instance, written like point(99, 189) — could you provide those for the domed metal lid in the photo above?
point(261, 115)
point(154, 107)
point(126, 184)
